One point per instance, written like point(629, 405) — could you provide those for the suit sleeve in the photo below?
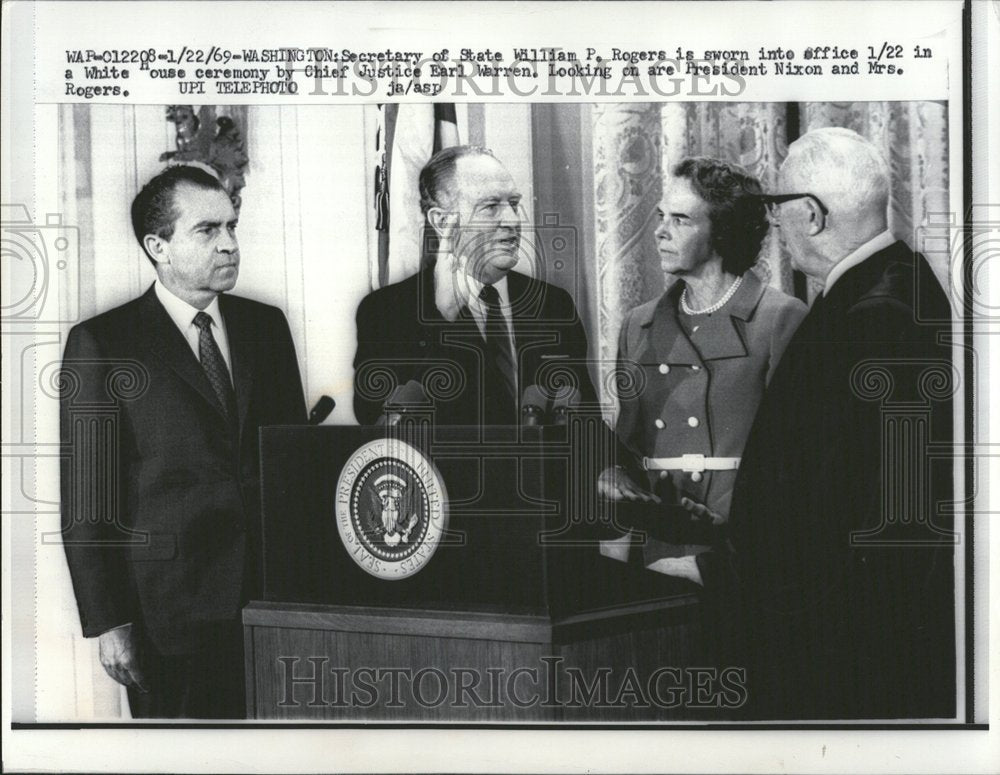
point(879, 337)
point(787, 320)
point(289, 399)
point(717, 567)
point(94, 501)
point(628, 380)
point(578, 351)
point(371, 350)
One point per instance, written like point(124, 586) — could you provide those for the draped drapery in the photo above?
point(635, 145)
point(627, 188)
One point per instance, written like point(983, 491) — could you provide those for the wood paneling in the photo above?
point(353, 664)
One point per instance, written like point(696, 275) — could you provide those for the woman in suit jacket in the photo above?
point(699, 357)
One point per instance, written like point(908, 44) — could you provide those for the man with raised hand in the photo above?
point(473, 334)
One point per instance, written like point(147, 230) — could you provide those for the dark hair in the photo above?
point(736, 212)
point(438, 174)
point(153, 210)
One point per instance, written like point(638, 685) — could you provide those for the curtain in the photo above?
point(635, 145)
point(627, 187)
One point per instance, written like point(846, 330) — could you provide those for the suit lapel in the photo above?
point(466, 325)
point(165, 341)
point(667, 342)
point(723, 335)
point(242, 354)
point(524, 305)
point(719, 337)
point(536, 327)
point(461, 332)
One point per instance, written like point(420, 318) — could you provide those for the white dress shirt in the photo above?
point(183, 315)
point(869, 249)
point(478, 309)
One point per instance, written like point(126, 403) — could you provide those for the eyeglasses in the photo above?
point(771, 202)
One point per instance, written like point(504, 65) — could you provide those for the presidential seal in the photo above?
point(391, 508)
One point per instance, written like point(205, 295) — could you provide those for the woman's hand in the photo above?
point(702, 513)
point(616, 485)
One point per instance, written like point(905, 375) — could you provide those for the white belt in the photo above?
point(690, 463)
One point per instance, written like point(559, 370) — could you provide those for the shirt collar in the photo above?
point(869, 249)
point(475, 287)
point(183, 313)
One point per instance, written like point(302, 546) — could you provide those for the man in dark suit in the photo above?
point(467, 333)
point(841, 572)
point(160, 490)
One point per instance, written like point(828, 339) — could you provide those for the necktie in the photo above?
point(501, 369)
point(214, 365)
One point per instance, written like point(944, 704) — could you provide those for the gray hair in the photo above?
point(438, 175)
point(842, 168)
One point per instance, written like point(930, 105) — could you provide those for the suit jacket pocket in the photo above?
point(159, 546)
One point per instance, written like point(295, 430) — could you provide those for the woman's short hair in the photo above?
point(736, 211)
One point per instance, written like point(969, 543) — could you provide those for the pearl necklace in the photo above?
point(717, 306)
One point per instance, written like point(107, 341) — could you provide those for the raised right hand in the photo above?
point(447, 297)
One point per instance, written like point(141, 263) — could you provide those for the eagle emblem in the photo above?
point(390, 490)
point(391, 508)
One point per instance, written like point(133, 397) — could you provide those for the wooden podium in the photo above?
point(515, 616)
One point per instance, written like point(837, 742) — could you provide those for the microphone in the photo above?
point(532, 406)
point(404, 398)
point(560, 406)
point(322, 410)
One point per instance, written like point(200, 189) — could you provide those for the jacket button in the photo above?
point(664, 368)
point(695, 367)
point(664, 474)
point(693, 422)
point(696, 476)
point(659, 423)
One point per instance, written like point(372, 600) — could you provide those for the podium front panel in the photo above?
point(519, 537)
point(487, 557)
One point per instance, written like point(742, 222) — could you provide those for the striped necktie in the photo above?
point(215, 365)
